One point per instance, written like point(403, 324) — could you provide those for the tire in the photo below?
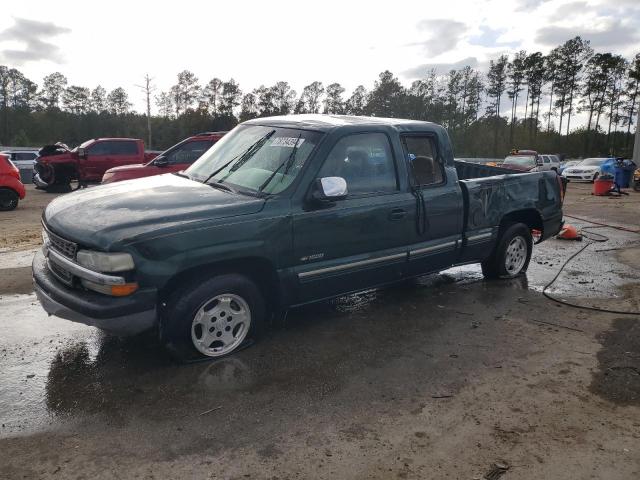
point(595, 177)
point(58, 188)
point(512, 253)
point(199, 318)
point(8, 200)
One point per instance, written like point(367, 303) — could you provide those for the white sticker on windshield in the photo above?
point(286, 142)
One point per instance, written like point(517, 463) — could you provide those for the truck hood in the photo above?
point(106, 215)
point(55, 158)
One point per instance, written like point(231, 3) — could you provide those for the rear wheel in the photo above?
point(214, 318)
point(512, 254)
point(8, 199)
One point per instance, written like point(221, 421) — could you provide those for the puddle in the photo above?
point(618, 377)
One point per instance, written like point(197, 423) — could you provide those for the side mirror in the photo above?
point(539, 161)
point(161, 162)
point(329, 189)
point(82, 153)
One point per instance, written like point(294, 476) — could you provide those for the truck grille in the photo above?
point(65, 247)
point(63, 275)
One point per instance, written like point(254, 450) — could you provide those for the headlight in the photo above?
point(105, 262)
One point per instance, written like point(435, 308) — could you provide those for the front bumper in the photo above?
point(119, 315)
point(38, 182)
point(584, 177)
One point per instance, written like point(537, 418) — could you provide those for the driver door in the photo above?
point(360, 241)
point(93, 166)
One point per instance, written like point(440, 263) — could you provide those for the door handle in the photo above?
point(397, 214)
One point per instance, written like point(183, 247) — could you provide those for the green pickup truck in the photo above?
point(281, 212)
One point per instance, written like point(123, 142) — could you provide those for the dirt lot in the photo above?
point(444, 378)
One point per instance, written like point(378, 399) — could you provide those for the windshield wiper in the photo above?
point(288, 162)
point(246, 155)
point(221, 186)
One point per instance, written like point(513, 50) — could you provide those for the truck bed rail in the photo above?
point(468, 170)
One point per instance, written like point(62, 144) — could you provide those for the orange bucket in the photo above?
point(602, 187)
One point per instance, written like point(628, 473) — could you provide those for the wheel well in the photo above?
point(530, 217)
point(258, 269)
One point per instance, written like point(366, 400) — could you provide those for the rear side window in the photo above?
point(425, 167)
point(365, 161)
point(188, 152)
point(124, 148)
point(25, 156)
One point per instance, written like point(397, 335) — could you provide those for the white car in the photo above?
point(587, 170)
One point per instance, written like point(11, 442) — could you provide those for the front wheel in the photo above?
point(512, 254)
point(214, 318)
point(8, 199)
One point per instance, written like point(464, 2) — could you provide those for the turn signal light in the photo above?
point(123, 290)
point(113, 290)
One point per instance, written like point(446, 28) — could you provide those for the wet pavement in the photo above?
point(446, 374)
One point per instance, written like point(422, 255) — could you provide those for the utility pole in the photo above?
point(148, 88)
point(636, 144)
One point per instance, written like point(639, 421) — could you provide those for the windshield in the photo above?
point(524, 160)
point(592, 162)
point(256, 158)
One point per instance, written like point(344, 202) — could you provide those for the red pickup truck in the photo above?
point(176, 158)
point(58, 165)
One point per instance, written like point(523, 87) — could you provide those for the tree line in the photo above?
point(526, 101)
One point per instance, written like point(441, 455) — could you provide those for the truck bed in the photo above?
point(491, 193)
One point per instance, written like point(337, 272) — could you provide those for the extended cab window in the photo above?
point(424, 163)
point(188, 152)
point(365, 161)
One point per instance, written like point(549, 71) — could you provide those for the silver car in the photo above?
point(548, 162)
point(25, 160)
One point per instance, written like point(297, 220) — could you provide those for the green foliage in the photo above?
point(541, 91)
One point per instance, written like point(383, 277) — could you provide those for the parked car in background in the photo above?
point(567, 164)
point(283, 211)
point(176, 158)
point(22, 158)
point(25, 160)
point(521, 162)
point(57, 165)
point(588, 170)
point(11, 188)
point(548, 162)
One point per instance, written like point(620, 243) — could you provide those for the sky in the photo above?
point(116, 43)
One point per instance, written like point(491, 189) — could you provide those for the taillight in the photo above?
point(562, 185)
point(13, 170)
